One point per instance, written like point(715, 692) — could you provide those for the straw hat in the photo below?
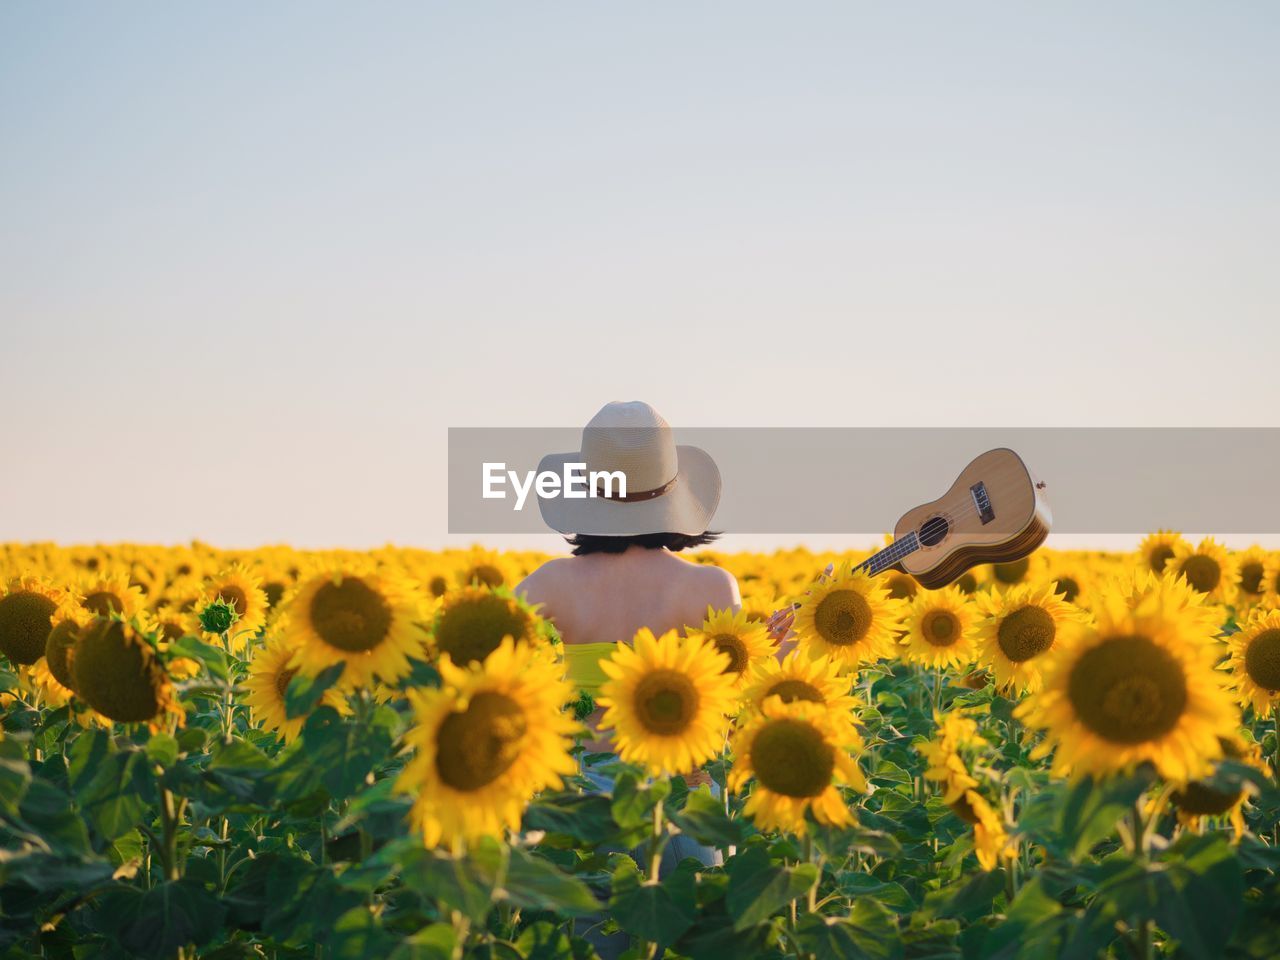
point(670, 488)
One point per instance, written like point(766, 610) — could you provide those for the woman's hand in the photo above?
point(781, 621)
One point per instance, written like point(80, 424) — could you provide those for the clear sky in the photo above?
point(256, 258)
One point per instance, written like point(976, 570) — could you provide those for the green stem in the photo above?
point(656, 842)
point(808, 858)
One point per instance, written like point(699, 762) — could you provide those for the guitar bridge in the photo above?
point(983, 502)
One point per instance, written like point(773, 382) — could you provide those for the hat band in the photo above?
point(637, 496)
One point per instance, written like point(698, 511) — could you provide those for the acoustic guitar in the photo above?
point(995, 512)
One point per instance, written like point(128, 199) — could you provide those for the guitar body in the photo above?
point(995, 512)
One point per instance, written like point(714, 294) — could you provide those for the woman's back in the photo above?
point(607, 597)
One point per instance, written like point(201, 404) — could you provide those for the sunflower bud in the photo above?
point(219, 616)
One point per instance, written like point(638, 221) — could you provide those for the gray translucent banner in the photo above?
point(782, 480)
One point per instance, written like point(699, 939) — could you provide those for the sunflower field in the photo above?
point(280, 754)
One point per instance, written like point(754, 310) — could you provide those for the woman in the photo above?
point(624, 573)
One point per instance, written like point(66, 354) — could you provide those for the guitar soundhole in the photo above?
point(933, 531)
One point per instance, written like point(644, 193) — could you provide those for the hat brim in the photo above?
point(686, 508)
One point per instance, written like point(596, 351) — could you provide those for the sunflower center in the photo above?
point(350, 615)
point(1128, 690)
point(967, 583)
point(485, 574)
point(1069, 587)
point(902, 587)
point(1013, 571)
point(843, 617)
point(1251, 577)
point(964, 809)
point(474, 627)
point(792, 758)
point(1202, 572)
point(114, 673)
point(940, 628)
point(1262, 659)
point(666, 702)
point(57, 649)
point(103, 603)
point(732, 646)
point(1026, 633)
point(792, 690)
point(438, 586)
point(1159, 556)
point(234, 596)
point(171, 631)
point(283, 678)
point(274, 590)
point(25, 624)
point(1201, 800)
point(477, 745)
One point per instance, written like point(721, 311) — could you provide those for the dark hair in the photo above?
point(583, 543)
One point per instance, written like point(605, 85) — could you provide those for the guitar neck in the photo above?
point(884, 559)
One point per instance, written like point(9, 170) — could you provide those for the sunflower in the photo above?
point(902, 586)
point(1010, 573)
point(947, 766)
point(667, 700)
point(485, 568)
point(27, 607)
point(1018, 629)
point(1207, 568)
point(1137, 686)
point(941, 629)
point(269, 676)
point(799, 678)
point(849, 617)
point(116, 671)
point(1252, 564)
point(243, 591)
point(493, 735)
point(1271, 582)
point(1201, 800)
point(53, 671)
point(1254, 663)
point(110, 593)
point(473, 621)
point(798, 755)
point(1157, 549)
point(361, 617)
point(742, 641)
point(954, 732)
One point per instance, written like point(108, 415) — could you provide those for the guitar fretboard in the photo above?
point(891, 554)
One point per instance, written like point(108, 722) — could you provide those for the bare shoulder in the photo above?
point(718, 585)
point(541, 584)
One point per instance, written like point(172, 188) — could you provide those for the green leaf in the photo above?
point(632, 805)
point(704, 819)
point(969, 899)
point(1091, 808)
point(758, 889)
point(162, 749)
point(155, 923)
point(890, 893)
point(117, 797)
point(587, 818)
point(434, 942)
point(870, 932)
point(534, 883)
point(659, 912)
point(214, 658)
point(303, 693)
point(464, 884)
point(1201, 895)
point(545, 941)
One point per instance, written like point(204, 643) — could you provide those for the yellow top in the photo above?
point(582, 664)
